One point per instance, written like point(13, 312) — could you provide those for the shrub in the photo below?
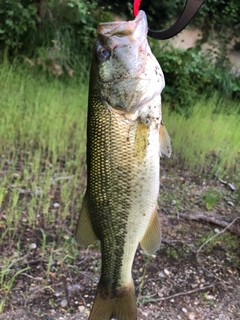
point(190, 74)
point(18, 24)
point(50, 30)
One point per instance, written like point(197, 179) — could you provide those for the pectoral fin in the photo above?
point(84, 232)
point(165, 141)
point(152, 237)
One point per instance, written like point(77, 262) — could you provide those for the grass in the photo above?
point(43, 172)
point(225, 242)
point(42, 167)
point(207, 139)
point(210, 197)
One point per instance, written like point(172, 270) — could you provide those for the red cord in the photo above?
point(136, 5)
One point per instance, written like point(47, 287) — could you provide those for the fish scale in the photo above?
point(123, 152)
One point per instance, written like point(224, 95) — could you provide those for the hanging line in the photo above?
point(189, 11)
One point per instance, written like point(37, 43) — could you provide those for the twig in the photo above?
point(14, 261)
point(185, 293)
point(31, 277)
point(36, 261)
point(204, 217)
point(227, 227)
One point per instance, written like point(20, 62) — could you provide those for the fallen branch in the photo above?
point(203, 217)
point(227, 227)
point(185, 293)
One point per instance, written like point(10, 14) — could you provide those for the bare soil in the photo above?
point(178, 282)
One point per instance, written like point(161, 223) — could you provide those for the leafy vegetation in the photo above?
point(190, 74)
point(221, 16)
point(51, 32)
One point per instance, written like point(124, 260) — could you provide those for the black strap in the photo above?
point(190, 9)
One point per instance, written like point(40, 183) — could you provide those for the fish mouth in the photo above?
point(125, 28)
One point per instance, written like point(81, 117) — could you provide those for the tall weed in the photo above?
point(207, 141)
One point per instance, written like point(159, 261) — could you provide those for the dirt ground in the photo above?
point(185, 279)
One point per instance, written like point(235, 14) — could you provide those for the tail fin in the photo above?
point(122, 307)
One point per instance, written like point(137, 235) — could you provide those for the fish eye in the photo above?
point(103, 53)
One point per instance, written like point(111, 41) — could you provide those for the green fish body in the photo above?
point(125, 138)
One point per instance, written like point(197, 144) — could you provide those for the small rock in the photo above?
point(174, 202)
point(161, 274)
point(75, 287)
point(81, 308)
point(231, 186)
point(56, 205)
point(57, 294)
point(210, 297)
point(64, 303)
point(223, 181)
point(145, 314)
point(191, 316)
point(184, 310)
point(31, 289)
point(167, 273)
point(32, 246)
point(38, 192)
point(172, 300)
point(226, 198)
point(216, 230)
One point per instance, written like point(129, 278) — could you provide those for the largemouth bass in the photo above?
point(125, 138)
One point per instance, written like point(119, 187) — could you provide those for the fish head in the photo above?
point(124, 66)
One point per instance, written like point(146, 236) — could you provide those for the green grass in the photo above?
point(210, 198)
point(42, 162)
point(42, 140)
point(207, 140)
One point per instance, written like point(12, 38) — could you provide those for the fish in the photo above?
point(125, 139)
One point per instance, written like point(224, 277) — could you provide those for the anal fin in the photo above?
point(152, 238)
point(84, 232)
